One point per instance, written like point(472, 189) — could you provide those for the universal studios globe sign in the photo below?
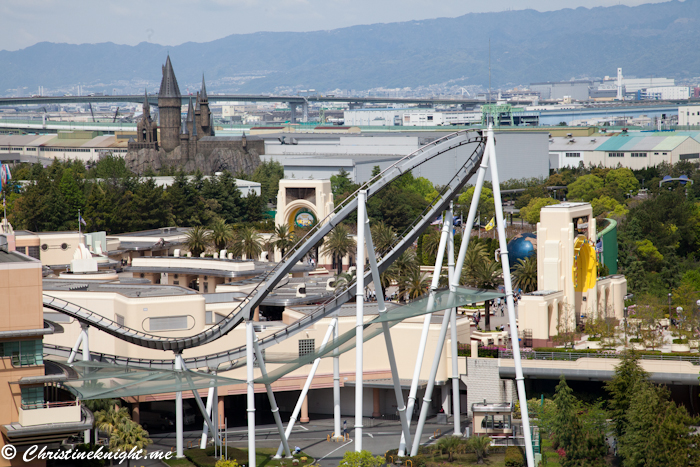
point(304, 218)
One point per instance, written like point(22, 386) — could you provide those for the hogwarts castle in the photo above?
point(189, 144)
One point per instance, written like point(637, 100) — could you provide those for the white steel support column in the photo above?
point(519, 379)
point(424, 337)
point(359, 323)
point(387, 335)
point(336, 379)
point(179, 444)
point(271, 396)
point(453, 330)
point(305, 389)
point(210, 399)
point(86, 358)
point(74, 350)
point(250, 375)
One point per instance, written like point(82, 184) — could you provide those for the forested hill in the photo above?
point(526, 46)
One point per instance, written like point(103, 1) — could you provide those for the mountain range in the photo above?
point(526, 46)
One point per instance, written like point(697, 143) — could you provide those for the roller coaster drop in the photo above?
point(483, 156)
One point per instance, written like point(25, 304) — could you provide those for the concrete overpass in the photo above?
point(663, 369)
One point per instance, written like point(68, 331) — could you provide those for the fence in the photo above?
point(572, 356)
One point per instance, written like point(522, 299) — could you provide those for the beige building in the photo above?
point(568, 289)
point(689, 115)
point(34, 410)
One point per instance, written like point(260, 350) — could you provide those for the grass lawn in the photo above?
point(179, 462)
point(492, 460)
point(263, 458)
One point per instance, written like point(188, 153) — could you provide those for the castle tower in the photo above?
point(185, 131)
point(169, 105)
point(203, 114)
point(146, 128)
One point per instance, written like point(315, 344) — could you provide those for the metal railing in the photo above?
point(49, 405)
point(573, 356)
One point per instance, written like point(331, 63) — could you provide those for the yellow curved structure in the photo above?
point(585, 270)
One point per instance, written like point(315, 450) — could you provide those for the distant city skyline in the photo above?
point(173, 22)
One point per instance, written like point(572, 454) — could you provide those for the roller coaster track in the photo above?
point(244, 309)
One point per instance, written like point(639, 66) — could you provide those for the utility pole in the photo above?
point(489, 70)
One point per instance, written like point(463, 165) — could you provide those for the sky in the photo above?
point(173, 22)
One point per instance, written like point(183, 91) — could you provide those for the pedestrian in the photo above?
point(345, 428)
point(502, 310)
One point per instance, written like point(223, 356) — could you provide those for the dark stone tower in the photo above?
point(146, 128)
point(169, 105)
point(203, 114)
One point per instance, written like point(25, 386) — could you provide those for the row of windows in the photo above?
point(17, 149)
point(639, 154)
point(32, 251)
point(573, 154)
point(32, 397)
point(167, 323)
point(496, 422)
point(66, 149)
point(616, 154)
point(23, 353)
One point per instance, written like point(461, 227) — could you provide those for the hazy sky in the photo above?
point(172, 22)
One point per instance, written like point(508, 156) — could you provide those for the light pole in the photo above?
point(669, 305)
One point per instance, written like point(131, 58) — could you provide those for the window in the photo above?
point(639, 154)
point(208, 317)
point(44, 247)
point(689, 156)
point(496, 422)
point(32, 397)
point(616, 154)
point(306, 346)
point(656, 153)
point(168, 323)
point(573, 154)
point(119, 319)
point(309, 194)
point(21, 249)
point(33, 251)
point(23, 353)
point(64, 246)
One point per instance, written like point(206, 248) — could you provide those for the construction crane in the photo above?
point(91, 112)
point(115, 115)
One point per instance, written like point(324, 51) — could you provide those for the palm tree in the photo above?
point(248, 242)
point(525, 274)
point(480, 445)
point(128, 435)
point(450, 445)
point(197, 240)
point(431, 243)
point(417, 284)
point(107, 420)
point(402, 268)
point(488, 276)
point(221, 234)
point(338, 244)
point(475, 256)
point(283, 238)
point(383, 237)
point(345, 279)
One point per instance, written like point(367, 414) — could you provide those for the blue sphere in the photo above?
point(521, 247)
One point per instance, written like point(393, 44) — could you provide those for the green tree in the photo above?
point(658, 432)
point(248, 242)
point(583, 446)
point(417, 283)
point(431, 243)
point(475, 256)
point(338, 244)
point(128, 435)
point(525, 274)
point(361, 459)
point(628, 374)
point(150, 207)
point(197, 240)
point(268, 174)
point(622, 181)
point(480, 445)
point(383, 237)
point(451, 445)
point(341, 185)
point(283, 238)
point(486, 205)
point(221, 234)
point(531, 212)
point(585, 188)
point(608, 206)
point(489, 275)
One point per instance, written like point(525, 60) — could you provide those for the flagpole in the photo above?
point(80, 232)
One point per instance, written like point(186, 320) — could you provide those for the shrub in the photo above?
point(514, 457)
point(680, 341)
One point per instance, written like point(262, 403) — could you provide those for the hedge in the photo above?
point(514, 457)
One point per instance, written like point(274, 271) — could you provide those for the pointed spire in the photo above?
point(197, 107)
point(146, 105)
point(168, 86)
point(183, 128)
point(204, 89)
point(190, 112)
point(194, 130)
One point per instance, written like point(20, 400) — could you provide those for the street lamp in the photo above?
point(669, 305)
